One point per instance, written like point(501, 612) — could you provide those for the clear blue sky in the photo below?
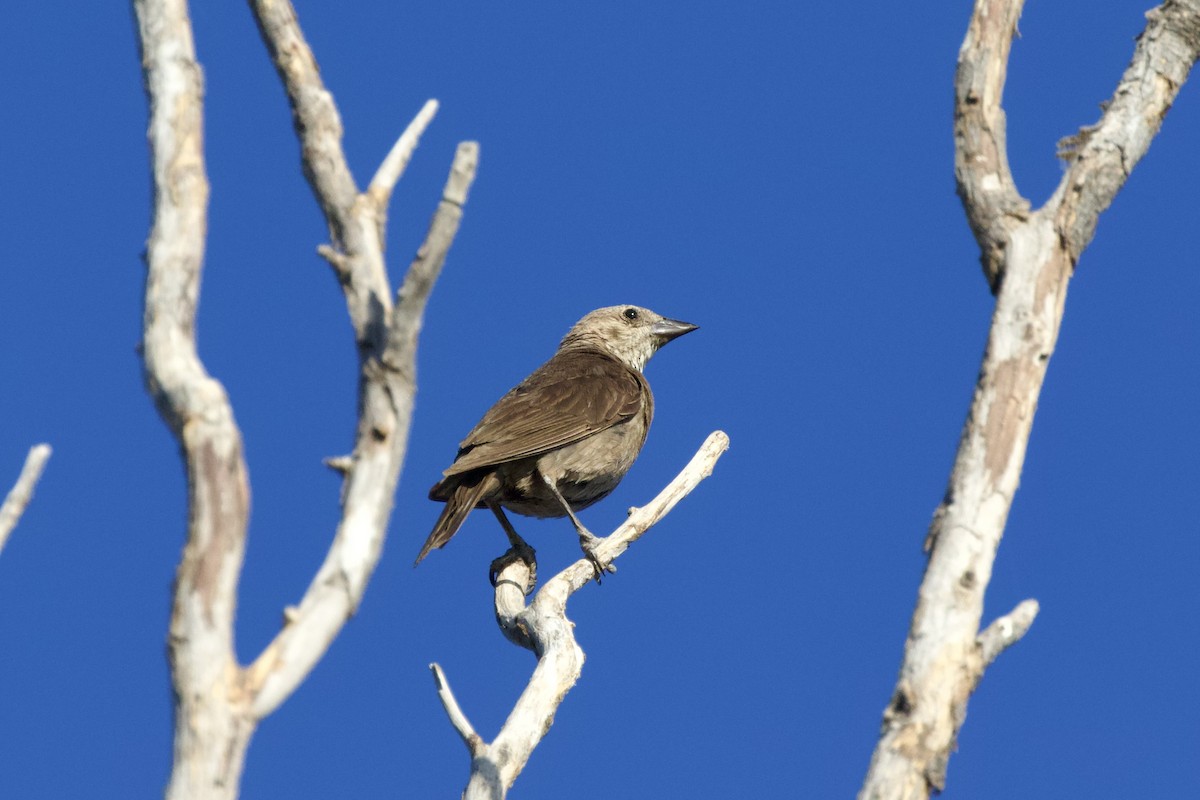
point(780, 174)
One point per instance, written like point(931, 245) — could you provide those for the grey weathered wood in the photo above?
point(22, 492)
point(1029, 258)
point(543, 628)
point(218, 703)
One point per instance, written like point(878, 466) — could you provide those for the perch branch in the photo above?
point(543, 627)
point(1029, 260)
point(22, 492)
point(642, 519)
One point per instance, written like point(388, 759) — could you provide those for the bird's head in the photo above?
point(628, 333)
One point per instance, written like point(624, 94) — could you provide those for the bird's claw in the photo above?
point(589, 542)
point(600, 566)
point(514, 554)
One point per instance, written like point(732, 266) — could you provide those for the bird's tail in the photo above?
point(460, 502)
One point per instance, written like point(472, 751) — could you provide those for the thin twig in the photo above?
point(393, 166)
point(22, 492)
point(409, 310)
point(457, 718)
point(1006, 631)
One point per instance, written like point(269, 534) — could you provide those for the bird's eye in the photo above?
point(630, 314)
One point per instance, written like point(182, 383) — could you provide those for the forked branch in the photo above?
point(218, 703)
point(543, 628)
point(1029, 258)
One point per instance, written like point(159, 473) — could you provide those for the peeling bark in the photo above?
point(1029, 258)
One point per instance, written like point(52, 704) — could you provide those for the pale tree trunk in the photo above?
point(218, 702)
point(1028, 259)
point(543, 628)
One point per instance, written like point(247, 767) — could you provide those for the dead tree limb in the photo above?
point(1028, 259)
point(218, 703)
point(22, 492)
point(543, 628)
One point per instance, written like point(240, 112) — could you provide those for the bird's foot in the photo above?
point(518, 552)
point(588, 542)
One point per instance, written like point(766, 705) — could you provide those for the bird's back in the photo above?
point(573, 396)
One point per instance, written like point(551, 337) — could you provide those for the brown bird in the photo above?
point(565, 436)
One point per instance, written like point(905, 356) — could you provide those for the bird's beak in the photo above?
point(667, 329)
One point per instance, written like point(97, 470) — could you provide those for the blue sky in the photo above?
point(778, 173)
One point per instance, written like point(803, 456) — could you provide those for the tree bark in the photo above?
point(218, 703)
point(543, 628)
point(1028, 258)
point(19, 496)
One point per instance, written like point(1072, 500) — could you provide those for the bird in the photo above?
point(564, 437)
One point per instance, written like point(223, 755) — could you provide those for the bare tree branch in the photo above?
point(458, 719)
point(1104, 154)
point(985, 182)
point(22, 492)
point(218, 703)
point(195, 407)
point(387, 387)
point(354, 220)
point(543, 628)
point(1007, 631)
point(404, 325)
point(1029, 260)
point(397, 159)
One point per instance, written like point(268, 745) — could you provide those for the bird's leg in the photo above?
point(588, 541)
point(518, 549)
point(514, 538)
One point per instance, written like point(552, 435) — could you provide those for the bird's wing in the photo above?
point(570, 397)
